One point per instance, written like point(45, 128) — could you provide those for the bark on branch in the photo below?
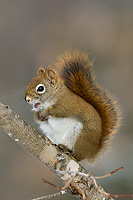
point(47, 153)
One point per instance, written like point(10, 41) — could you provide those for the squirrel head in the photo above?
point(41, 88)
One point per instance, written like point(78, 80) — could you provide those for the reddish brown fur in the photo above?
point(76, 70)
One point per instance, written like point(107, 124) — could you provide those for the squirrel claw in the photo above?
point(65, 149)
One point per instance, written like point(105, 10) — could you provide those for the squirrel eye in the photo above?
point(40, 88)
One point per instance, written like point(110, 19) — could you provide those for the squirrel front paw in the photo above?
point(39, 116)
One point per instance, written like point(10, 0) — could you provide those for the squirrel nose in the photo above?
point(27, 99)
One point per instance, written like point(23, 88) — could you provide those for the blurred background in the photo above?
point(33, 33)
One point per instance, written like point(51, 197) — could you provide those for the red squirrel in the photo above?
point(71, 108)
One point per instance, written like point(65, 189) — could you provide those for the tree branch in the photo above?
point(47, 153)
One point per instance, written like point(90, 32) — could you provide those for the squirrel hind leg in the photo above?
point(88, 148)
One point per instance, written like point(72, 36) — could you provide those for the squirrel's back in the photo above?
point(75, 69)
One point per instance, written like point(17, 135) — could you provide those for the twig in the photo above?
point(109, 174)
point(50, 196)
point(106, 193)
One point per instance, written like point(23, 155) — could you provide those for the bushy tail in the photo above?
point(75, 69)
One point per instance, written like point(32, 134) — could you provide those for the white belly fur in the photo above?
point(61, 130)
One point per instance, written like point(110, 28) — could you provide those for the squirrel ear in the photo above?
point(51, 75)
point(40, 70)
